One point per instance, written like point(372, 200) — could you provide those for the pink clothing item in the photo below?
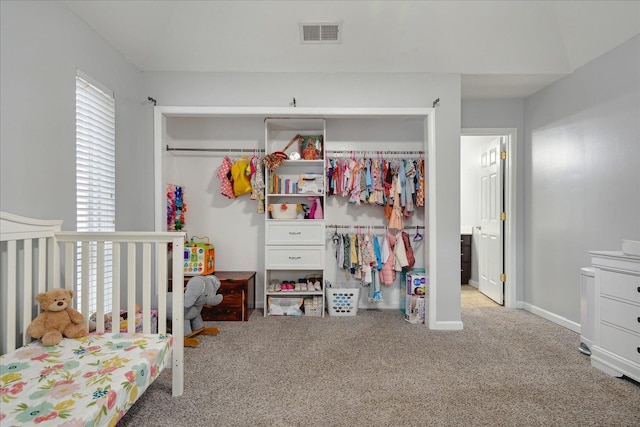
point(226, 183)
point(387, 273)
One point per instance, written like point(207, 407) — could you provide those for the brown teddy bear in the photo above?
point(57, 318)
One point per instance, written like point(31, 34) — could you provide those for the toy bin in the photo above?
point(342, 302)
point(283, 211)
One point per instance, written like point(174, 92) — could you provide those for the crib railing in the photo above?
point(36, 256)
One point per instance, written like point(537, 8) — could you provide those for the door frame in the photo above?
point(510, 205)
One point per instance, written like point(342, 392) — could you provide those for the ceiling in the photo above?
point(503, 49)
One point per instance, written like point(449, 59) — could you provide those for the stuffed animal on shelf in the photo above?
point(200, 291)
point(57, 319)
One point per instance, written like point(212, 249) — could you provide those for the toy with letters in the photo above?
point(199, 258)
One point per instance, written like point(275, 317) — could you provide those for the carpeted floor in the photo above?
point(505, 368)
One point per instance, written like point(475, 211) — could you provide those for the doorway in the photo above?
point(472, 141)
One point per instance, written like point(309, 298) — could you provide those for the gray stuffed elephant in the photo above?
point(200, 291)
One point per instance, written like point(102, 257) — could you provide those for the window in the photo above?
point(95, 178)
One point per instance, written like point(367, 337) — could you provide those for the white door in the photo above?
point(491, 223)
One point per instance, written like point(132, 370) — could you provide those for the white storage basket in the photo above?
point(342, 302)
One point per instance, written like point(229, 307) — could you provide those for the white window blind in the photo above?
point(95, 179)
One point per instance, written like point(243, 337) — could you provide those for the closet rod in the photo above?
point(372, 152)
point(217, 150)
point(375, 227)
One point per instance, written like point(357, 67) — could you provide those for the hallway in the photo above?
point(472, 297)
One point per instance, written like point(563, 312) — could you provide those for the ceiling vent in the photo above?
point(320, 32)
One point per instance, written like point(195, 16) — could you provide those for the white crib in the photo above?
point(37, 256)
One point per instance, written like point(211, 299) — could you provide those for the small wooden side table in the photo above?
point(238, 289)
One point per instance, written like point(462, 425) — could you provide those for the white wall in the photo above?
point(42, 44)
point(349, 90)
point(582, 175)
point(470, 153)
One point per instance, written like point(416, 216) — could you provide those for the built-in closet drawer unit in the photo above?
point(465, 258)
point(294, 233)
point(294, 257)
point(617, 314)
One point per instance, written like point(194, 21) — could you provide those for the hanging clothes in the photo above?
point(421, 191)
point(257, 182)
point(241, 183)
point(400, 253)
point(387, 273)
point(375, 296)
point(226, 179)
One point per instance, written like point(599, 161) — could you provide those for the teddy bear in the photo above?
point(57, 318)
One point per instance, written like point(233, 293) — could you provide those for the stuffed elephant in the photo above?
point(200, 290)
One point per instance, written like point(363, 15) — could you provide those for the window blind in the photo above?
point(95, 179)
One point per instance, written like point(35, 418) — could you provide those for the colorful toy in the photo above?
point(199, 257)
point(176, 208)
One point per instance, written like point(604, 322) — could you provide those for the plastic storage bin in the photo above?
point(342, 302)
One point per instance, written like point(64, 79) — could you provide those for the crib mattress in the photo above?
point(85, 381)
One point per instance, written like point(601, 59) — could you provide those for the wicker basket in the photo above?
point(311, 309)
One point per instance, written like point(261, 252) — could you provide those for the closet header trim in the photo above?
point(217, 150)
point(372, 153)
point(374, 227)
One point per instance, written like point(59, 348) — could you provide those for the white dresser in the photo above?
point(616, 314)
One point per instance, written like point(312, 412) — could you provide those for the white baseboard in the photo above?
point(447, 326)
point(474, 284)
point(559, 320)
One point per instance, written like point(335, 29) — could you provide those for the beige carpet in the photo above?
point(472, 297)
point(506, 367)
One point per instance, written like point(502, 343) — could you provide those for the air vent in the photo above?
point(320, 32)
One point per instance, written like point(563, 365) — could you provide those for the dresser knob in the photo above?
point(638, 348)
point(638, 319)
point(638, 288)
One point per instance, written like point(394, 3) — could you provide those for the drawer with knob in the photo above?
point(622, 343)
point(299, 232)
point(620, 285)
point(620, 314)
point(294, 257)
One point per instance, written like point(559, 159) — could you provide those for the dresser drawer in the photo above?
point(621, 314)
point(620, 285)
point(294, 257)
point(624, 344)
point(300, 232)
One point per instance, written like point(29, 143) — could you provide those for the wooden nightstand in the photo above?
point(238, 291)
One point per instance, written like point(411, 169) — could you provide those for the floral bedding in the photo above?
point(90, 381)
point(124, 323)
